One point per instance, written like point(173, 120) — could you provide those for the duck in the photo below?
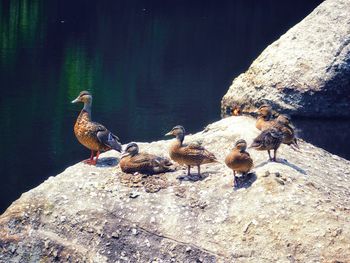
point(236, 110)
point(267, 140)
point(239, 160)
point(94, 136)
point(264, 119)
point(188, 154)
point(132, 161)
point(283, 123)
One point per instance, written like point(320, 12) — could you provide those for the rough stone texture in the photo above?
point(297, 210)
point(306, 72)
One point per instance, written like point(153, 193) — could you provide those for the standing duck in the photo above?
point(264, 120)
point(239, 160)
point(133, 161)
point(93, 135)
point(267, 140)
point(191, 154)
point(284, 125)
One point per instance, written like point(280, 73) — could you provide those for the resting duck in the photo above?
point(93, 135)
point(132, 161)
point(191, 154)
point(269, 139)
point(283, 123)
point(264, 120)
point(239, 160)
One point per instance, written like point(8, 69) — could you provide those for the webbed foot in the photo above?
point(90, 162)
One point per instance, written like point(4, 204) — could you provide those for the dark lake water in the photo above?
point(149, 64)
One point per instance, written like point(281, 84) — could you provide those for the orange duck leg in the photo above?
point(91, 160)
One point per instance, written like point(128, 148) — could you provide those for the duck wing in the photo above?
point(163, 161)
point(198, 150)
point(244, 156)
point(143, 158)
point(269, 138)
point(151, 159)
point(149, 163)
point(107, 138)
point(194, 148)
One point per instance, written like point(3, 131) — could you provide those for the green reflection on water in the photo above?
point(19, 27)
point(77, 71)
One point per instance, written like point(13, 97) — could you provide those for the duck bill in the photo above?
point(255, 112)
point(124, 154)
point(75, 101)
point(169, 134)
point(252, 146)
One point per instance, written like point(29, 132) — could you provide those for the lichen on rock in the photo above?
point(305, 72)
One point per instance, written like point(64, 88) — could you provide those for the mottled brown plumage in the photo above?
point(93, 135)
point(267, 140)
point(264, 120)
point(133, 161)
point(239, 160)
point(191, 154)
point(283, 124)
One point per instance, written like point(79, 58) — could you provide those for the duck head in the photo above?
point(241, 145)
point(264, 110)
point(283, 119)
point(178, 131)
point(130, 149)
point(84, 97)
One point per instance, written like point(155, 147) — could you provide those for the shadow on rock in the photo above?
point(107, 162)
point(295, 167)
point(193, 177)
point(284, 162)
point(246, 180)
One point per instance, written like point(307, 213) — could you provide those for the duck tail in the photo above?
point(114, 143)
point(163, 165)
point(217, 161)
point(294, 145)
point(164, 162)
point(109, 139)
point(254, 145)
point(212, 158)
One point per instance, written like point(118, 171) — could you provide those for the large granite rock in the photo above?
point(306, 72)
point(297, 210)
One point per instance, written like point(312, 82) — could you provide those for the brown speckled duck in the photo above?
point(264, 120)
point(267, 140)
point(284, 125)
point(93, 135)
point(133, 161)
point(239, 160)
point(191, 154)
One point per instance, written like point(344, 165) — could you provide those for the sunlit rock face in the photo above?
point(305, 72)
point(296, 210)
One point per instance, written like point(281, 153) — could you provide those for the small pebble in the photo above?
point(115, 235)
point(134, 195)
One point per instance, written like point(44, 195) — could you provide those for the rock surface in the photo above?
point(296, 210)
point(306, 72)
